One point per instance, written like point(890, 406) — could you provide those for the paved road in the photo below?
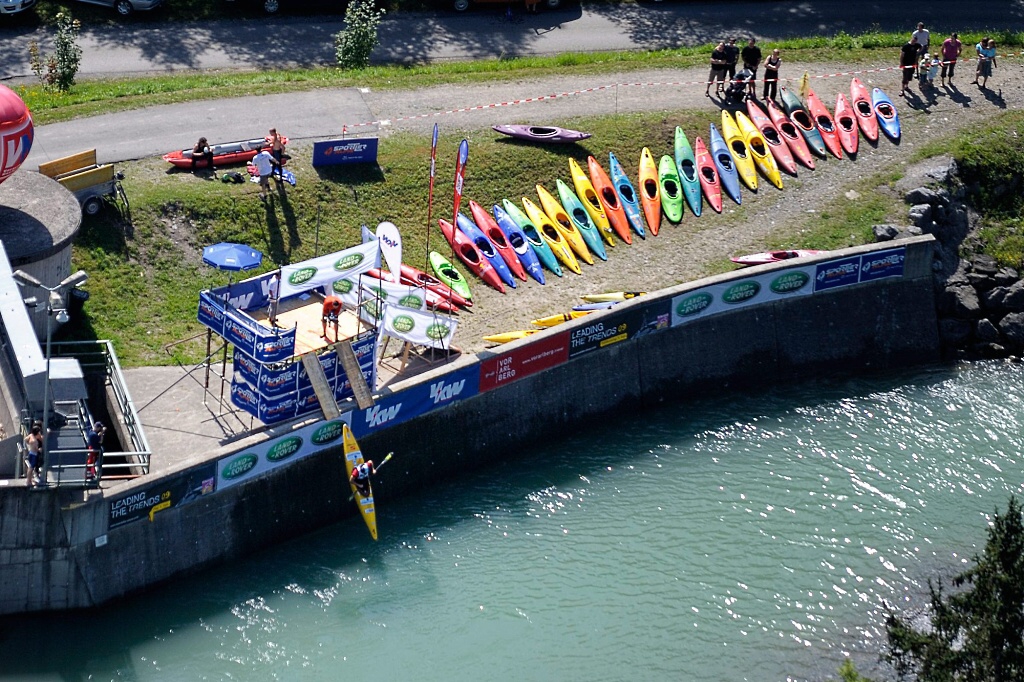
point(152, 46)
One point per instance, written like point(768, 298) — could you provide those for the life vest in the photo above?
point(361, 472)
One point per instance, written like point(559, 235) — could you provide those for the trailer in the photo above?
point(91, 183)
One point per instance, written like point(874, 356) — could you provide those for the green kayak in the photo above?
point(447, 273)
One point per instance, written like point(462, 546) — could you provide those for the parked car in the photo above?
point(299, 6)
point(15, 6)
point(463, 5)
point(126, 7)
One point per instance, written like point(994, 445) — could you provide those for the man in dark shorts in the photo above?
point(908, 61)
point(732, 55)
point(717, 74)
point(751, 60)
point(331, 311)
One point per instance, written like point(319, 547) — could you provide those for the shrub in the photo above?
point(353, 45)
point(57, 71)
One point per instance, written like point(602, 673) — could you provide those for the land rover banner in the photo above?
point(419, 327)
point(324, 270)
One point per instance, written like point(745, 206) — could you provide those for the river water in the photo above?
point(747, 537)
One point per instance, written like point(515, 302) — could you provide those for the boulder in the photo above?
point(993, 298)
point(989, 350)
point(955, 332)
point(984, 330)
point(922, 195)
point(885, 233)
point(1014, 299)
point(960, 302)
point(981, 282)
point(1012, 327)
point(1006, 277)
point(921, 215)
point(984, 264)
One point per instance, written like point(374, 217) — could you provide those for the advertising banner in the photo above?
point(882, 264)
point(522, 362)
point(616, 327)
point(352, 150)
point(837, 273)
point(740, 293)
point(324, 270)
point(280, 451)
point(249, 294)
point(244, 333)
point(418, 327)
point(146, 504)
point(417, 400)
point(460, 175)
point(211, 312)
point(391, 248)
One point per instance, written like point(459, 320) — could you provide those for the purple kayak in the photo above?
point(542, 133)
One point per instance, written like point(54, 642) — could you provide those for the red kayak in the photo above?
point(224, 154)
point(708, 175)
point(864, 110)
point(434, 299)
point(469, 254)
point(774, 256)
point(418, 278)
point(797, 144)
point(489, 227)
point(779, 148)
point(609, 200)
point(825, 123)
point(846, 125)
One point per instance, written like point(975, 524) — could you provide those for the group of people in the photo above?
point(917, 59)
point(269, 161)
point(34, 451)
point(727, 55)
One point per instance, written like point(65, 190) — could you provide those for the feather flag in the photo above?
point(460, 174)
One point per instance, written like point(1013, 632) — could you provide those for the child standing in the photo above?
point(933, 70)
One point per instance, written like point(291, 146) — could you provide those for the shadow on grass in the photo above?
point(355, 174)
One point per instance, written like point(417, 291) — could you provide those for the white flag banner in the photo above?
point(378, 293)
point(324, 271)
point(391, 248)
point(419, 327)
point(367, 234)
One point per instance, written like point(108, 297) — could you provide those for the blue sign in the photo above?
point(837, 273)
point(882, 264)
point(248, 294)
point(352, 150)
point(418, 400)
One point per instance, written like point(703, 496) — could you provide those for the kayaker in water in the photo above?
point(360, 476)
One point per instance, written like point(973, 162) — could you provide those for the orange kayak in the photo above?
point(863, 109)
point(825, 123)
point(609, 200)
point(650, 195)
point(469, 254)
point(708, 175)
point(797, 144)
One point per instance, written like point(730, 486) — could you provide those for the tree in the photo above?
point(976, 633)
point(57, 71)
point(354, 44)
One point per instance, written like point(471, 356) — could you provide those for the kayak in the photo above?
point(776, 145)
point(609, 200)
point(519, 242)
point(708, 176)
point(888, 119)
point(591, 307)
point(552, 320)
point(550, 234)
point(826, 124)
point(489, 227)
point(507, 337)
point(432, 298)
point(588, 196)
point(774, 256)
point(612, 296)
point(650, 192)
point(581, 219)
point(790, 135)
point(487, 248)
point(627, 195)
point(551, 134)
point(353, 458)
point(803, 121)
point(544, 253)
point(224, 154)
point(563, 223)
point(846, 125)
point(727, 175)
point(863, 109)
point(758, 148)
point(469, 254)
point(740, 152)
point(686, 164)
point(418, 278)
point(449, 275)
point(671, 189)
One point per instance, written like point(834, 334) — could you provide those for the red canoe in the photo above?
point(489, 227)
point(708, 175)
point(418, 278)
point(224, 154)
point(469, 254)
point(434, 299)
point(777, 145)
point(825, 123)
point(846, 125)
point(609, 200)
point(774, 256)
point(797, 144)
point(862, 107)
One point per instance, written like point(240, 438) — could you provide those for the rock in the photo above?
point(984, 330)
point(984, 264)
point(943, 173)
point(1012, 327)
point(981, 282)
point(922, 195)
point(910, 231)
point(1014, 298)
point(921, 215)
point(960, 302)
point(989, 350)
point(885, 233)
point(956, 332)
point(1006, 277)
point(993, 299)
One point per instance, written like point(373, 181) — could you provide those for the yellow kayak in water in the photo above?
point(353, 458)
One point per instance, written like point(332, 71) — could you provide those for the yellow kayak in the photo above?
point(612, 296)
point(353, 458)
point(588, 195)
point(564, 225)
point(551, 236)
point(552, 320)
point(759, 149)
point(740, 153)
point(506, 337)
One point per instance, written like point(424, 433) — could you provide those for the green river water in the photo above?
point(747, 537)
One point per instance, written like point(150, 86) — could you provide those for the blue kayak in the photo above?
point(519, 243)
point(581, 219)
point(543, 251)
point(885, 110)
point(477, 236)
point(727, 174)
point(627, 195)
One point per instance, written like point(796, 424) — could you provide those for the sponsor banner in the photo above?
point(418, 327)
point(211, 312)
point(274, 345)
point(743, 292)
point(244, 396)
point(352, 150)
point(249, 337)
point(146, 504)
point(324, 270)
point(417, 400)
point(272, 410)
point(377, 293)
point(246, 367)
point(882, 264)
point(837, 273)
point(262, 457)
point(390, 242)
point(522, 362)
point(249, 294)
point(617, 327)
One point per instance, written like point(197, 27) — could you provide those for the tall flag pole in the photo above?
point(430, 193)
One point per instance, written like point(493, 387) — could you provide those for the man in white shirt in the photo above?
point(264, 163)
point(922, 36)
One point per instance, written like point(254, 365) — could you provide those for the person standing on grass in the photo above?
point(951, 49)
point(264, 163)
point(718, 63)
point(986, 60)
point(751, 60)
point(923, 38)
point(771, 74)
point(908, 61)
point(732, 55)
point(277, 151)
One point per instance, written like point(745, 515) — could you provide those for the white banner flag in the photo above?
point(391, 248)
point(419, 327)
point(325, 270)
point(367, 234)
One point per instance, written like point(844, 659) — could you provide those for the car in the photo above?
point(463, 5)
point(126, 7)
point(15, 6)
point(298, 6)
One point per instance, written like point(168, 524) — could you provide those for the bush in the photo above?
point(353, 45)
point(57, 71)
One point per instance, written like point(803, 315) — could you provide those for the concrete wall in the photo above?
point(54, 555)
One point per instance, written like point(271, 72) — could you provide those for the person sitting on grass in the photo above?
point(202, 150)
